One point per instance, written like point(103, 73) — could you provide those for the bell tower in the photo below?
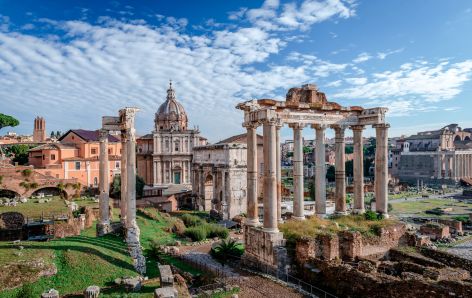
point(39, 131)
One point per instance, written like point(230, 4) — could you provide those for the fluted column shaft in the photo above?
point(123, 178)
point(340, 171)
point(252, 205)
point(320, 171)
point(279, 173)
point(381, 168)
point(358, 167)
point(270, 177)
point(298, 185)
point(104, 173)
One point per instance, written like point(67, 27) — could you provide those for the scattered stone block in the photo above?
point(166, 292)
point(132, 284)
point(366, 267)
point(50, 294)
point(92, 292)
point(166, 276)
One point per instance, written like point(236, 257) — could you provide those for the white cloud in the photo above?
point(422, 80)
point(356, 81)
point(362, 57)
point(293, 16)
point(383, 55)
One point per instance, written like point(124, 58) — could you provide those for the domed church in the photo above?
point(165, 157)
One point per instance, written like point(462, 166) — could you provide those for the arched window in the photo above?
point(176, 145)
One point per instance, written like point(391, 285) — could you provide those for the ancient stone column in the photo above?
point(214, 174)
point(132, 229)
point(279, 173)
point(103, 226)
point(224, 200)
point(358, 167)
point(252, 205)
point(439, 166)
point(320, 171)
point(298, 187)
point(92, 292)
point(340, 171)
point(381, 169)
point(123, 175)
point(270, 177)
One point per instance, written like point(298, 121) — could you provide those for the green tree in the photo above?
point(227, 249)
point(349, 168)
point(311, 189)
point(349, 149)
point(19, 152)
point(58, 134)
point(8, 121)
point(52, 135)
point(307, 150)
point(330, 173)
point(115, 188)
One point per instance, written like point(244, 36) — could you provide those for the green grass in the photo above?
point(33, 209)
point(87, 260)
point(419, 207)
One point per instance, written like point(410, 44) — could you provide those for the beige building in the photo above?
point(220, 176)
point(165, 157)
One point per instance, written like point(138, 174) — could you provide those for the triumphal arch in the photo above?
point(306, 107)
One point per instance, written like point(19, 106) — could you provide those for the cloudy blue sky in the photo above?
point(74, 61)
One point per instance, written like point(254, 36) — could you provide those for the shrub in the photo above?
point(192, 220)
point(26, 172)
point(178, 227)
point(227, 249)
point(370, 215)
point(26, 291)
point(463, 218)
point(214, 230)
point(196, 233)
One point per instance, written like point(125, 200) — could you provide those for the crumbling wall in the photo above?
point(447, 258)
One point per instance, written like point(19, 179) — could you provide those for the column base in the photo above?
point(103, 228)
point(134, 248)
point(271, 230)
point(358, 211)
point(298, 217)
point(320, 215)
point(341, 213)
point(253, 222)
point(263, 246)
point(280, 221)
point(385, 215)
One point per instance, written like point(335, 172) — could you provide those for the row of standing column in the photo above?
point(272, 179)
point(454, 165)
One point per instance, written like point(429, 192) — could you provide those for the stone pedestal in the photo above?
point(50, 294)
point(103, 229)
point(92, 292)
point(262, 246)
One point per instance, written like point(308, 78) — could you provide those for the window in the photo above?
point(176, 146)
point(53, 157)
point(117, 165)
point(110, 151)
point(167, 145)
point(93, 151)
point(77, 165)
point(95, 181)
point(44, 157)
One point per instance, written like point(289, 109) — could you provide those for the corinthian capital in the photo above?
point(103, 135)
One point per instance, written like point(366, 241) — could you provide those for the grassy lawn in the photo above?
point(86, 260)
point(419, 207)
point(34, 209)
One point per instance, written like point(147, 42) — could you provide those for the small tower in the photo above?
point(39, 131)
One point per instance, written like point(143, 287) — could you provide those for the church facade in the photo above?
point(165, 157)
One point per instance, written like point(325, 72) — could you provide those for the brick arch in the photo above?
point(59, 191)
point(17, 194)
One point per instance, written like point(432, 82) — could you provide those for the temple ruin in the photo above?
point(306, 107)
point(125, 124)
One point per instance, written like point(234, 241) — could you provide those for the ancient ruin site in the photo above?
point(225, 149)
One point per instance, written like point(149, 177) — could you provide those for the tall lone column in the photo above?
point(123, 179)
point(103, 227)
point(279, 173)
point(132, 229)
point(340, 171)
point(298, 187)
point(270, 177)
point(320, 171)
point(358, 167)
point(252, 205)
point(381, 168)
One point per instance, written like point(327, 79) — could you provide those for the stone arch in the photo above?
point(50, 190)
point(9, 193)
point(208, 187)
point(457, 138)
point(467, 138)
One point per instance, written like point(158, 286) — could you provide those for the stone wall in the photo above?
point(262, 247)
point(435, 231)
point(72, 227)
point(349, 245)
point(455, 225)
point(447, 258)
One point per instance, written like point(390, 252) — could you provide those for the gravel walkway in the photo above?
point(463, 250)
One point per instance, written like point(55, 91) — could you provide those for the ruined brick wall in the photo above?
point(451, 223)
point(66, 229)
point(435, 231)
point(390, 237)
point(447, 258)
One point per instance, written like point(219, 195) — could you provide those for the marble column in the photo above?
point(279, 173)
point(224, 202)
point(252, 204)
point(298, 186)
point(103, 227)
point(270, 177)
point(132, 228)
point(123, 179)
point(358, 169)
point(340, 170)
point(439, 165)
point(215, 191)
point(320, 171)
point(381, 169)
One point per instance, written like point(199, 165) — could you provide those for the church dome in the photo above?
point(171, 114)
